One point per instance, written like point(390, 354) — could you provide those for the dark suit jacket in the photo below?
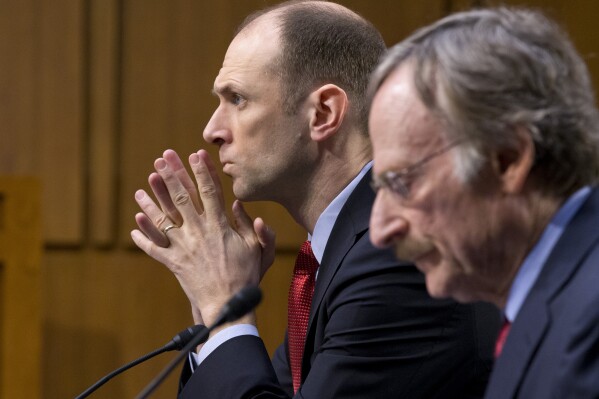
point(552, 350)
point(373, 333)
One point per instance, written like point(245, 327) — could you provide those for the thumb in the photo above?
point(266, 237)
point(242, 221)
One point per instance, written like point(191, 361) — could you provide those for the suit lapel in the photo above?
point(351, 223)
point(534, 318)
point(521, 344)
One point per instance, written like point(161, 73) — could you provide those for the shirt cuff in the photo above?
point(220, 338)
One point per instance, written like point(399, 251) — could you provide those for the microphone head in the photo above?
point(180, 340)
point(242, 303)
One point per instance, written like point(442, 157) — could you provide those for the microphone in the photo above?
point(178, 342)
point(241, 303)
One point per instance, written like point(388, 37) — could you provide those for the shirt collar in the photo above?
point(326, 220)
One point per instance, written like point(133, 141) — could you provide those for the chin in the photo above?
point(239, 189)
point(243, 196)
point(437, 291)
point(442, 284)
point(451, 286)
point(246, 194)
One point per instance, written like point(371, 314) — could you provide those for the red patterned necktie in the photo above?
point(505, 329)
point(298, 308)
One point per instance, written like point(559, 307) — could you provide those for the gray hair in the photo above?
point(487, 72)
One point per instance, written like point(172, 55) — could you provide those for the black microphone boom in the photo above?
point(180, 340)
point(177, 343)
point(240, 304)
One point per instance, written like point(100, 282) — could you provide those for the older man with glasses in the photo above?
point(486, 161)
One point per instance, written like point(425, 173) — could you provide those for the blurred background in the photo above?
point(91, 92)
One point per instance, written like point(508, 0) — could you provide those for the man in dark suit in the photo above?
point(486, 155)
point(291, 128)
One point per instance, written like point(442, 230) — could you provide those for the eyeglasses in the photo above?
point(398, 181)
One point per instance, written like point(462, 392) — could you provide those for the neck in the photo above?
point(330, 177)
point(540, 211)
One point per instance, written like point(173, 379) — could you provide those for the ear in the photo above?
point(329, 104)
point(513, 164)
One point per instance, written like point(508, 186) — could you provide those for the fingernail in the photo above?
point(160, 164)
point(194, 159)
point(139, 194)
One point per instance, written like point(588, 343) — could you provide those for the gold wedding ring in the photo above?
point(170, 226)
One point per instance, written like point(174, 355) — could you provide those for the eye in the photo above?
point(399, 183)
point(237, 99)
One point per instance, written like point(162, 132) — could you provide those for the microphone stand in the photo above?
point(241, 303)
point(105, 379)
point(201, 337)
point(177, 343)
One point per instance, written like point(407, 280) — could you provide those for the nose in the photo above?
point(386, 223)
point(217, 130)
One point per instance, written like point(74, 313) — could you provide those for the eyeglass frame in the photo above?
point(395, 180)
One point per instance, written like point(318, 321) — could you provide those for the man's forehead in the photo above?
point(403, 130)
point(251, 51)
point(398, 86)
point(263, 32)
point(249, 58)
point(397, 106)
point(257, 43)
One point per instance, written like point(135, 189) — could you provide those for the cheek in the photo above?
point(255, 120)
point(466, 237)
point(447, 225)
point(440, 218)
point(254, 137)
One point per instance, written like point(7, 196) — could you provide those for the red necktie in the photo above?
point(505, 329)
point(298, 308)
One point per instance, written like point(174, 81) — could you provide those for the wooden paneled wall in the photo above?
point(91, 92)
point(20, 283)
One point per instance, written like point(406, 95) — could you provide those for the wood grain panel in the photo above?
point(103, 309)
point(61, 118)
point(104, 53)
point(19, 58)
point(42, 108)
point(145, 130)
point(20, 286)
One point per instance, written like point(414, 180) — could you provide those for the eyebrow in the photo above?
point(223, 90)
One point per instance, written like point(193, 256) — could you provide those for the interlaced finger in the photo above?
point(152, 221)
point(179, 195)
point(164, 199)
point(203, 154)
point(209, 188)
point(175, 163)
